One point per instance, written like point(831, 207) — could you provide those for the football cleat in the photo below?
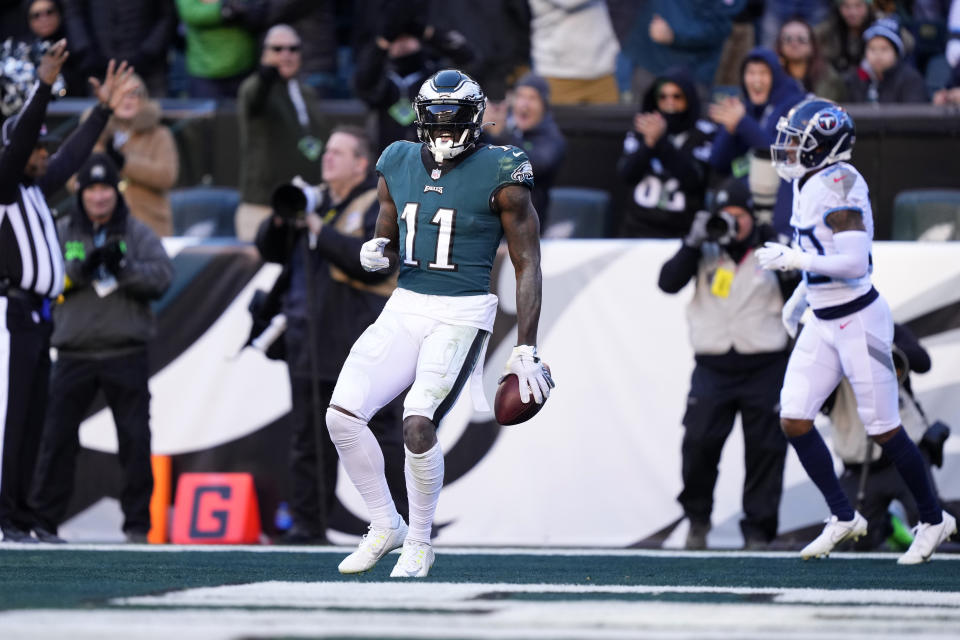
point(375, 544)
point(415, 560)
point(926, 538)
point(834, 533)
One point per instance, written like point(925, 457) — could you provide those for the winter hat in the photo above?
point(98, 169)
point(886, 28)
point(539, 83)
point(733, 193)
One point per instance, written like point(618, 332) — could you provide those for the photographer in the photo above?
point(870, 480)
point(328, 299)
point(740, 347)
point(115, 266)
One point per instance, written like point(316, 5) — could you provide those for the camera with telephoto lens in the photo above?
point(293, 202)
point(722, 227)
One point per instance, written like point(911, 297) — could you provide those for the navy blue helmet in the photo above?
point(449, 110)
point(815, 133)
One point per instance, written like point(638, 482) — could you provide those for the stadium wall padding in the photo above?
point(600, 464)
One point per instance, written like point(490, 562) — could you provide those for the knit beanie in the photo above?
point(539, 84)
point(886, 28)
point(98, 169)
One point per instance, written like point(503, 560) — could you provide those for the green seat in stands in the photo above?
point(578, 212)
point(927, 214)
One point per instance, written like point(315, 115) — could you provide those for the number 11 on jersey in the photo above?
point(444, 219)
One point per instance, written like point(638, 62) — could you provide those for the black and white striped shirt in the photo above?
point(30, 257)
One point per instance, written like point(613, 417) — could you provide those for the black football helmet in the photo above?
point(449, 110)
point(815, 133)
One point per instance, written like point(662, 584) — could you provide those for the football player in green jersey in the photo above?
point(445, 205)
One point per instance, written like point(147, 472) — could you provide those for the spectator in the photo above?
point(573, 46)
point(686, 33)
point(749, 127)
point(665, 160)
point(953, 44)
point(800, 56)
point(742, 38)
point(32, 271)
point(740, 348)
point(137, 31)
point(342, 301)
point(115, 266)
point(531, 127)
point(391, 68)
point(221, 49)
point(872, 490)
point(315, 22)
point(146, 154)
point(841, 35)
point(951, 93)
point(281, 129)
point(500, 31)
point(883, 77)
point(779, 11)
point(45, 21)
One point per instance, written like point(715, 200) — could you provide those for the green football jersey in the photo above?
point(449, 232)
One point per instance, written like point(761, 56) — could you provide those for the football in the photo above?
point(508, 408)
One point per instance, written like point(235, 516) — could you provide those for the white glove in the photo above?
point(773, 255)
point(793, 309)
point(371, 255)
point(532, 375)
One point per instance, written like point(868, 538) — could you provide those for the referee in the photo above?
point(32, 274)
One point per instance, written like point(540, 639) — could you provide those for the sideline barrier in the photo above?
point(216, 508)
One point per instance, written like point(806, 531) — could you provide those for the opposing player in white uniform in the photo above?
point(851, 331)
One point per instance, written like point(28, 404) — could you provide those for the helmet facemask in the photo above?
point(448, 128)
point(787, 151)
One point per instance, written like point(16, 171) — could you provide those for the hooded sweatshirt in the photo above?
point(669, 180)
point(758, 130)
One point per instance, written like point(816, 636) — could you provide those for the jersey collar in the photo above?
point(431, 165)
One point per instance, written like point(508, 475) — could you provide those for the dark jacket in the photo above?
point(388, 86)
point(546, 147)
point(700, 28)
point(86, 325)
point(274, 146)
point(138, 31)
point(667, 181)
point(347, 298)
point(758, 130)
point(900, 84)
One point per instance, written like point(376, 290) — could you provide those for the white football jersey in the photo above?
point(839, 186)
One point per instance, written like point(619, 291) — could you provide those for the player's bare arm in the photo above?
point(387, 225)
point(845, 220)
point(521, 227)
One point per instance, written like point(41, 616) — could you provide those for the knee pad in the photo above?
point(343, 429)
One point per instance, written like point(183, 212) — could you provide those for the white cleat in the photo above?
point(926, 538)
point(834, 533)
point(415, 560)
point(375, 544)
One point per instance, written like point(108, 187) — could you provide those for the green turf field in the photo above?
point(181, 593)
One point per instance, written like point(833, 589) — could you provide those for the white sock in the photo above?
point(424, 474)
point(362, 458)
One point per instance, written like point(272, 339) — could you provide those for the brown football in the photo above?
point(508, 408)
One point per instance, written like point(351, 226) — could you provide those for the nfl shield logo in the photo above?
point(435, 174)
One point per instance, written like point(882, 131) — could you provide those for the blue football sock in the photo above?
point(816, 460)
point(905, 455)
